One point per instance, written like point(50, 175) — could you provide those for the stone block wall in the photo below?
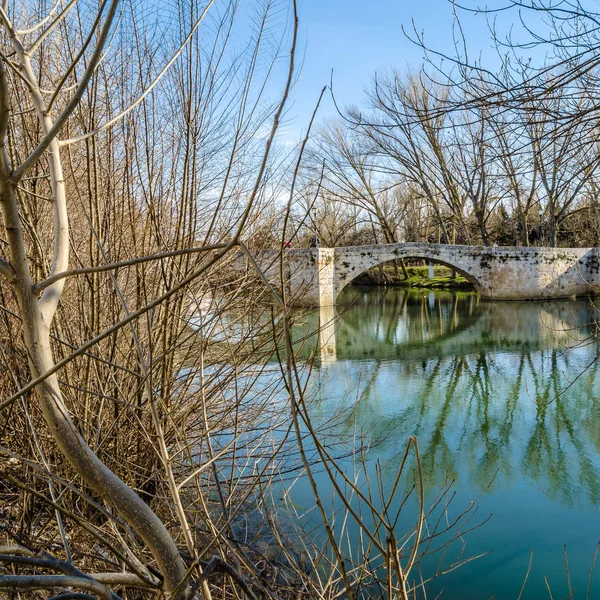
point(498, 273)
point(317, 275)
point(515, 273)
point(354, 260)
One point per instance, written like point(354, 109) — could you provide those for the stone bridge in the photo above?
point(316, 276)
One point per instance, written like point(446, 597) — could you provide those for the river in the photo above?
point(504, 399)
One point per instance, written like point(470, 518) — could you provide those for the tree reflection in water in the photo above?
point(496, 392)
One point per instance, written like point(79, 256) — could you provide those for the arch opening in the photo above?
point(389, 261)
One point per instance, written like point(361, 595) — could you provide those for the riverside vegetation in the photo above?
point(417, 277)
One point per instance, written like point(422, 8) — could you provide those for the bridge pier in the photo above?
point(316, 276)
point(311, 276)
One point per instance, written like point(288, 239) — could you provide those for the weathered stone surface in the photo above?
point(311, 276)
point(317, 275)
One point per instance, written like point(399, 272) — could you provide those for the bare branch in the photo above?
point(107, 332)
point(41, 582)
point(274, 128)
point(73, 102)
point(4, 118)
point(6, 270)
point(76, 59)
point(124, 579)
point(148, 89)
point(44, 20)
point(124, 263)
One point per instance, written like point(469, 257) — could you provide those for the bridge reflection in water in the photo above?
point(498, 405)
point(416, 324)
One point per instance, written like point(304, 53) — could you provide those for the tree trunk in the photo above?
point(525, 233)
point(482, 228)
point(75, 449)
point(404, 269)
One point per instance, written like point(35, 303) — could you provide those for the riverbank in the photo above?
point(418, 277)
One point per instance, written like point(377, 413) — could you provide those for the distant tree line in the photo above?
point(466, 157)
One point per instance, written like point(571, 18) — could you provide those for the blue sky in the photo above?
point(355, 39)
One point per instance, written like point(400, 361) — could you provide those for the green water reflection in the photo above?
point(504, 400)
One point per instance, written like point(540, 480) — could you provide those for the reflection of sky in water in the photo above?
point(492, 395)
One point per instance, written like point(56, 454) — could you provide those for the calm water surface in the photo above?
point(504, 399)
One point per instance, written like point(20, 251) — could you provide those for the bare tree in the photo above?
point(138, 328)
point(351, 174)
point(412, 141)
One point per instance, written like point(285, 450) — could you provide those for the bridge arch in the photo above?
point(353, 261)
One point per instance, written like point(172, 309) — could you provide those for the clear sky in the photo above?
point(356, 38)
